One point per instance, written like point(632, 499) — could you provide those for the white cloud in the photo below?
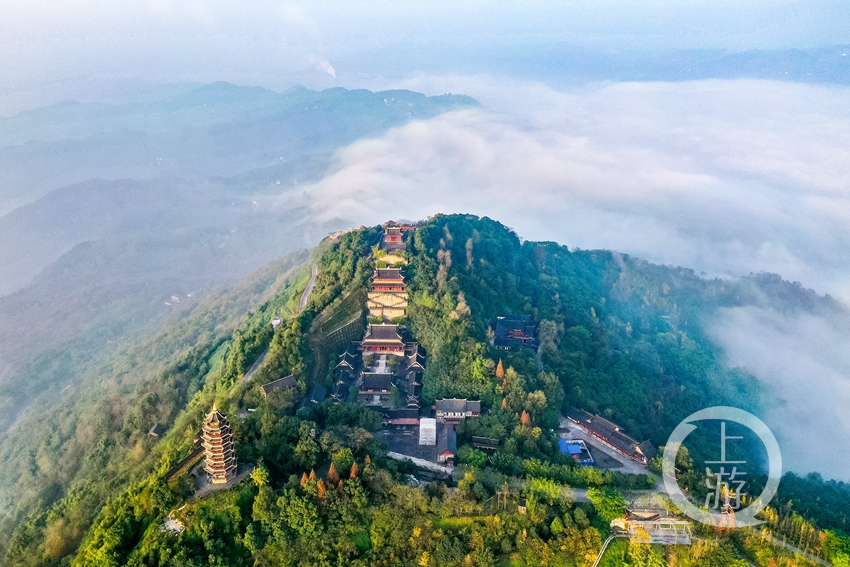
point(722, 176)
point(805, 361)
point(326, 67)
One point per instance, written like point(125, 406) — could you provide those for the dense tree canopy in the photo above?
point(618, 336)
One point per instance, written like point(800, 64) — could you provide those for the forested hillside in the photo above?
point(618, 336)
point(96, 440)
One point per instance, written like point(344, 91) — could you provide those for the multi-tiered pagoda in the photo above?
point(220, 462)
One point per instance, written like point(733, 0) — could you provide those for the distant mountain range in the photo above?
point(107, 212)
point(562, 63)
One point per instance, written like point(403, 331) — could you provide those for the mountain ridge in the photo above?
point(451, 302)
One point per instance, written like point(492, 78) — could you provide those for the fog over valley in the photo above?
point(725, 177)
point(307, 221)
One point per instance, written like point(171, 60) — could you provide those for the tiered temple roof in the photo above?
point(416, 358)
point(383, 339)
point(387, 294)
point(388, 279)
point(348, 358)
point(220, 462)
point(393, 238)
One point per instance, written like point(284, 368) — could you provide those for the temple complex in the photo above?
point(220, 462)
point(384, 370)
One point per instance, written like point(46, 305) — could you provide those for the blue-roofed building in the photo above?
point(577, 449)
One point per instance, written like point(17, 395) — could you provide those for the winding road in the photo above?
point(304, 298)
point(306, 295)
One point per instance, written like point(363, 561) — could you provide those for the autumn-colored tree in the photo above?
point(303, 479)
point(500, 370)
point(525, 419)
point(312, 474)
point(333, 476)
point(340, 488)
point(368, 460)
point(504, 403)
point(322, 489)
point(354, 470)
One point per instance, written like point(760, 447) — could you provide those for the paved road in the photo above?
point(306, 295)
point(255, 366)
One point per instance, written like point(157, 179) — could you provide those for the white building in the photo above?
point(428, 431)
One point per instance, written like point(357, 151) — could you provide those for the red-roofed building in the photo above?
point(382, 339)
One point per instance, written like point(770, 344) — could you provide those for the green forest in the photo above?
point(619, 337)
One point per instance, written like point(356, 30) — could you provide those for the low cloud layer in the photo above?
point(806, 362)
point(729, 177)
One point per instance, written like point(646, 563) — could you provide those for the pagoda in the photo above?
point(220, 462)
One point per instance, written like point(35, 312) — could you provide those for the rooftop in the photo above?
point(215, 417)
point(389, 274)
point(315, 397)
point(515, 330)
point(459, 405)
point(612, 433)
point(377, 381)
point(447, 440)
point(284, 383)
point(382, 333)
